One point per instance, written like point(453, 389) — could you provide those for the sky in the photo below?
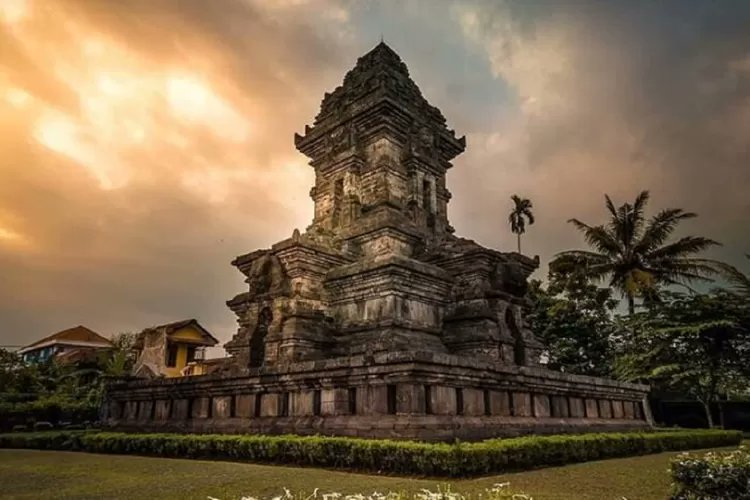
point(144, 145)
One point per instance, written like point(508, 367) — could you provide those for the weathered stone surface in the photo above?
point(180, 409)
point(245, 405)
point(522, 404)
point(577, 409)
point(163, 409)
point(442, 400)
point(334, 402)
point(201, 407)
point(638, 410)
point(500, 403)
point(302, 403)
point(473, 402)
point(269, 405)
point(560, 407)
point(592, 408)
point(410, 398)
point(617, 409)
point(222, 407)
point(541, 405)
point(605, 408)
point(145, 409)
point(629, 410)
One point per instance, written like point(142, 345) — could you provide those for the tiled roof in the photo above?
point(76, 335)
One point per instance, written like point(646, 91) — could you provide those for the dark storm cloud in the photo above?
point(560, 101)
point(623, 96)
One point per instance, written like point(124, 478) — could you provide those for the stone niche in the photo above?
point(377, 320)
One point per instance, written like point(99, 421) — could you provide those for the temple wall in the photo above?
point(398, 395)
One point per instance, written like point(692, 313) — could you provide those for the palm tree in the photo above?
point(634, 253)
point(519, 215)
point(739, 280)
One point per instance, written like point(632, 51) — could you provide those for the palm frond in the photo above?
point(660, 227)
point(739, 280)
point(598, 237)
point(683, 247)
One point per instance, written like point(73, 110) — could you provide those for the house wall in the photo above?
point(189, 334)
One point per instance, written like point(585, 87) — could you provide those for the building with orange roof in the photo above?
point(72, 343)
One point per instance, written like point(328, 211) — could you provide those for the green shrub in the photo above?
point(719, 476)
point(401, 457)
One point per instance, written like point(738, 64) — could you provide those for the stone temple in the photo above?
point(378, 321)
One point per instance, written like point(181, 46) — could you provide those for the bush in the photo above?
point(52, 409)
point(403, 457)
point(719, 476)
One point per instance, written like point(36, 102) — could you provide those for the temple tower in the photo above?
point(377, 321)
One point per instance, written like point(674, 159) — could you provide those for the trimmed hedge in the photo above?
point(720, 476)
point(401, 457)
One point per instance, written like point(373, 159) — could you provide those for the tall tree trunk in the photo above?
point(518, 235)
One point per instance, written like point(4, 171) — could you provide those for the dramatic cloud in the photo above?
point(145, 144)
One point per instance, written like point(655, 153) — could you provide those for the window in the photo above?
point(233, 406)
point(487, 403)
point(191, 354)
point(459, 401)
point(171, 355)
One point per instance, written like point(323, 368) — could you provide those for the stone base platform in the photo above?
point(398, 395)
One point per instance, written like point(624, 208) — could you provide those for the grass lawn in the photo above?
point(55, 474)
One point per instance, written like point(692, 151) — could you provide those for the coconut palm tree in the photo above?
point(740, 281)
point(635, 253)
point(519, 215)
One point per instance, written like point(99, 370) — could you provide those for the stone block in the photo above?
point(522, 404)
point(560, 407)
point(334, 402)
point(373, 400)
point(269, 405)
point(144, 410)
point(410, 399)
point(162, 410)
point(302, 403)
point(131, 410)
point(577, 409)
point(541, 405)
point(442, 400)
point(629, 410)
point(244, 405)
point(605, 408)
point(638, 410)
point(201, 408)
point(500, 403)
point(617, 409)
point(180, 409)
point(473, 402)
point(592, 408)
point(222, 407)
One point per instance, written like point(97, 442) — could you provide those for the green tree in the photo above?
point(635, 254)
point(573, 318)
point(739, 280)
point(697, 344)
point(518, 217)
